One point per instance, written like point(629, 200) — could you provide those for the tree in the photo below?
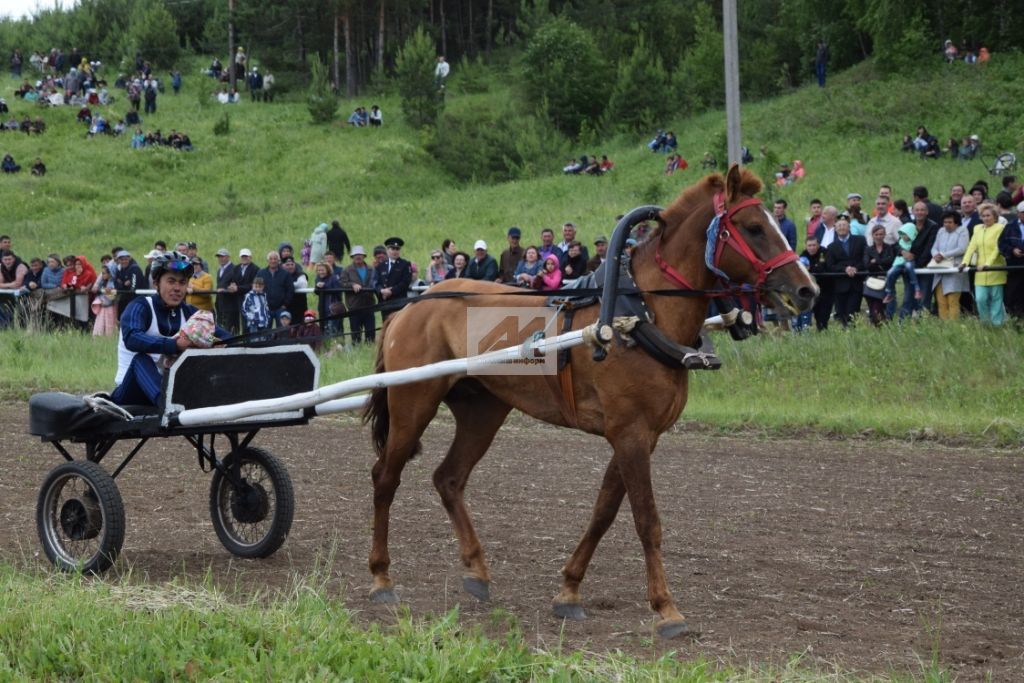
point(152, 32)
point(699, 82)
point(640, 98)
point(322, 103)
point(564, 70)
point(422, 99)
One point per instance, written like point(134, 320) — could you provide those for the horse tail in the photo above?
point(376, 411)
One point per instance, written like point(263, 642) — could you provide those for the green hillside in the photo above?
point(276, 175)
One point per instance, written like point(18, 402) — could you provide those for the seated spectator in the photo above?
point(709, 162)
point(438, 269)
point(657, 144)
point(908, 144)
point(24, 89)
point(932, 149)
point(574, 166)
point(670, 143)
point(132, 118)
point(953, 148)
point(376, 116)
point(359, 118)
point(98, 126)
point(309, 330)
point(949, 51)
point(575, 262)
point(550, 277)
point(9, 165)
point(902, 266)
point(460, 262)
point(33, 278)
point(920, 140)
point(39, 168)
point(527, 270)
point(119, 128)
point(79, 276)
point(84, 115)
point(138, 139)
point(606, 163)
point(4, 109)
point(674, 163)
point(969, 147)
point(12, 124)
point(592, 167)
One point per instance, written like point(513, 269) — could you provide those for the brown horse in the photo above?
point(629, 398)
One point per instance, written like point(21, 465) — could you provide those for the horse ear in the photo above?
point(733, 183)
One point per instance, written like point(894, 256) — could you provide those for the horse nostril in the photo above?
point(805, 293)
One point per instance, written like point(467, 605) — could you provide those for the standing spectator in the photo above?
point(988, 284)
point(255, 83)
point(79, 276)
point(826, 230)
point(920, 253)
point(956, 193)
point(948, 250)
point(200, 286)
point(903, 266)
point(811, 224)
point(227, 302)
point(394, 274)
point(601, 251)
point(255, 311)
point(16, 62)
point(278, 285)
point(103, 304)
point(886, 220)
point(934, 210)
point(459, 266)
point(361, 280)
point(337, 240)
point(529, 268)
point(575, 262)
point(52, 273)
point(448, 250)
point(245, 273)
point(845, 256)
point(547, 244)
point(134, 92)
point(511, 257)
point(326, 286)
point(318, 244)
point(176, 81)
point(128, 278)
point(787, 226)
point(268, 87)
point(821, 62)
point(150, 97)
point(240, 63)
point(297, 305)
point(1011, 246)
point(878, 258)
point(441, 72)
point(12, 271)
point(969, 216)
point(854, 210)
point(482, 266)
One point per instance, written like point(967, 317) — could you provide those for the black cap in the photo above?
point(379, 249)
point(394, 242)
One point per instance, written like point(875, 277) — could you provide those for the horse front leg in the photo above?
point(635, 467)
point(568, 604)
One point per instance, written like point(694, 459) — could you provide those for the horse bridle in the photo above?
point(723, 232)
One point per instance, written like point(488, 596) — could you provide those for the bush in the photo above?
point(223, 125)
point(565, 72)
point(497, 144)
point(698, 81)
point(153, 32)
point(640, 100)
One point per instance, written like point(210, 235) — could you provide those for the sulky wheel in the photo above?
point(253, 518)
point(80, 517)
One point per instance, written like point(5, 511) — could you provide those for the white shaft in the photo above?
point(456, 366)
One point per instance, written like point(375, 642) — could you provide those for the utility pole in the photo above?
point(732, 81)
point(231, 44)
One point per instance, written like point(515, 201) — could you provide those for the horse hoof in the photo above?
point(573, 611)
point(481, 590)
point(384, 596)
point(673, 629)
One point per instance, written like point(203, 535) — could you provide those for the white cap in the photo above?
point(480, 244)
point(1020, 207)
point(244, 252)
point(358, 250)
point(154, 253)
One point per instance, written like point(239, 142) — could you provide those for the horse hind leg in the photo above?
point(478, 416)
point(408, 411)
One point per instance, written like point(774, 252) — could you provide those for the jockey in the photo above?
point(150, 326)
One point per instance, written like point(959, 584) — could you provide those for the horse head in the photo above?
point(743, 243)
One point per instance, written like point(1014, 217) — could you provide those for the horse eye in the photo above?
point(755, 229)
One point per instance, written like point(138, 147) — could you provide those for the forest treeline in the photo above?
point(777, 39)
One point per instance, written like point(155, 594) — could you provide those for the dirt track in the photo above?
point(865, 555)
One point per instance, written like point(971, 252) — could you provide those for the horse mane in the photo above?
point(690, 200)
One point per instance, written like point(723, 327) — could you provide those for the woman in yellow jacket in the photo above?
point(201, 282)
point(988, 284)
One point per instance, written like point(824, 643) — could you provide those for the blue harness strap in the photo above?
point(709, 251)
